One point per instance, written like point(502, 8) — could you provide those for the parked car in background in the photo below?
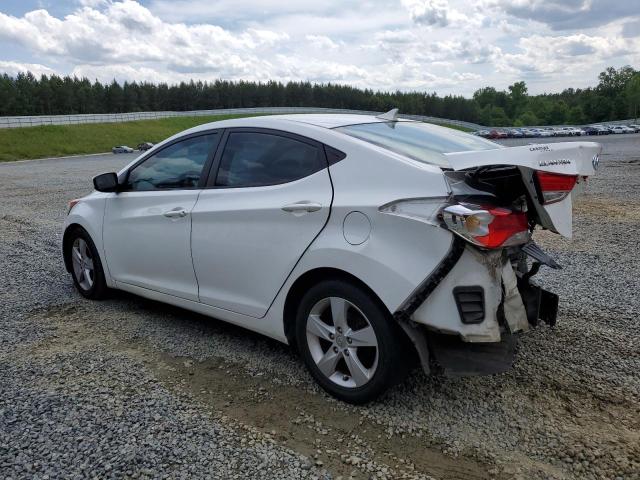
point(590, 130)
point(602, 129)
point(636, 128)
point(482, 133)
point(515, 133)
point(543, 132)
point(530, 132)
point(366, 242)
point(497, 134)
point(143, 147)
point(568, 131)
point(122, 149)
point(628, 129)
point(618, 129)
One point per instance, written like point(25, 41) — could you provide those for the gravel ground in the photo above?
point(129, 387)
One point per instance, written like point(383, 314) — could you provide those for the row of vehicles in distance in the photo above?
point(530, 132)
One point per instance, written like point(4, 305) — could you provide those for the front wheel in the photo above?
point(349, 342)
point(86, 267)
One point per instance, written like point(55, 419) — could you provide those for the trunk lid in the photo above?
point(566, 158)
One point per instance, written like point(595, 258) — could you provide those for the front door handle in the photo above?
point(302, 207)
point(177, 212)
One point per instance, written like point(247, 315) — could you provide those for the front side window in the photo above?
point(420, 141)
point(178, 166)
point(253, 159)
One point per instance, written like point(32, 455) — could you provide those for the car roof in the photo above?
point(333, 120)
point(325, 120)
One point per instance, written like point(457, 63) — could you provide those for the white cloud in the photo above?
point(93, 3)
point(428, 12)
point(570, 14)
point(555, 54)
point(452, 46)
point(13, 68)
point(441, 13)
point(321, 42)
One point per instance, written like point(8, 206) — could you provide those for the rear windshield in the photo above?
point(420, 141)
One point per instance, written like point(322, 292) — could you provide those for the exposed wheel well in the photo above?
point(66, 240)
point(312, 277)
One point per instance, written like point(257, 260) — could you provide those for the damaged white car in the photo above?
point(365, 242)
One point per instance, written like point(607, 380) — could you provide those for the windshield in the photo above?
point(420, 141)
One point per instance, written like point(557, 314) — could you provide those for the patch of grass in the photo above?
point(60, 140)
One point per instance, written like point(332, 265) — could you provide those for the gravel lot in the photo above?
point(129, 387)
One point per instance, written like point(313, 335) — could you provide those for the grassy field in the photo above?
point(61, 140)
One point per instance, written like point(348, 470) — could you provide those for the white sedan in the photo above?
point(367, 243)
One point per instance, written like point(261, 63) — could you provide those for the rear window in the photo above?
point(420, 141)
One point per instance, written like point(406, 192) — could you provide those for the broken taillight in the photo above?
point(487, 226)
point(555, 186)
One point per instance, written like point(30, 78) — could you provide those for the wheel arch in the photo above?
point(313, 277)
point(66, 240)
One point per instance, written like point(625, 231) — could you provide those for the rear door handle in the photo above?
point(177, 212)
point(302, 207)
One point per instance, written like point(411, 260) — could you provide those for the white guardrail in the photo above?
point(39, 120)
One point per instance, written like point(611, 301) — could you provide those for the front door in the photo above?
point(147, 226)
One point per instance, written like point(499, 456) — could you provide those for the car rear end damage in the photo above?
point(497, 200)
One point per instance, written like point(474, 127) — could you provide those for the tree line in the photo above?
point(617, 96)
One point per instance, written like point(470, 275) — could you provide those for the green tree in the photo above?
point(633, 95)
point(518, 99)
point(527, 119)
point(499, 117)
point(613, 81)
point(485, 96)
point(575, 115)
point(558, 113)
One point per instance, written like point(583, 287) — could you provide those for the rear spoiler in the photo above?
point(569, 158)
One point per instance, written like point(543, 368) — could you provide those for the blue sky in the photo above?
point(447, 46)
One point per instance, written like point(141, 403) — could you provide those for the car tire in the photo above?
point(85, 265)
point(361, 371)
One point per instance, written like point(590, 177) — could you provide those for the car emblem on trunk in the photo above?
point(595, 161)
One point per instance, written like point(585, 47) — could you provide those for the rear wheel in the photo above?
point(348, 341)
point(86, 268)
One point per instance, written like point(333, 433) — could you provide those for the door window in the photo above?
point(178, 166)
point(252, 159)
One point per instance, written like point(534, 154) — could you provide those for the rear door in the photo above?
point(269, 198)
point(565, 158)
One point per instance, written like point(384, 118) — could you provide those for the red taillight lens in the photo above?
point(555, 186)
point(487, 226)
point(507, 228)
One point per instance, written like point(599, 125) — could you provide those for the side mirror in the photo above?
point(107, 182)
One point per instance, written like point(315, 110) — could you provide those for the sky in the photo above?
point(442, 46)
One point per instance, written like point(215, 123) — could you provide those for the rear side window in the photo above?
point(252, 159)
point(178, 166)
point(421, 141)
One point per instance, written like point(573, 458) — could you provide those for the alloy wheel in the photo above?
point(82, 262)
point(342, 342)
